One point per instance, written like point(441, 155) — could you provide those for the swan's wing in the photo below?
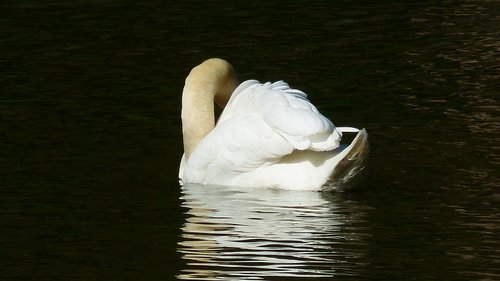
point(286, 110)
point(241, 144)
point(290, 113)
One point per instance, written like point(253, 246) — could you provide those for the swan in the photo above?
point(268, 134)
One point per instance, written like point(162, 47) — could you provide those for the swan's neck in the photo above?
point(214, 80)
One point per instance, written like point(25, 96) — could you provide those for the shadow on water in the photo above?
point(231, 234)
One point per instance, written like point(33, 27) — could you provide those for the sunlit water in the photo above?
point(90, 141)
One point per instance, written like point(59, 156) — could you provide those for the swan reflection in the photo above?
point(232, 233)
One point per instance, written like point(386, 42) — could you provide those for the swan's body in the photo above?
point(269, 135)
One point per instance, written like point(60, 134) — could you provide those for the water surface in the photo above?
point(90, 141)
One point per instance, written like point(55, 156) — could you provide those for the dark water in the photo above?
point(90, 141)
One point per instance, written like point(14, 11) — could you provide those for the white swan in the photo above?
point(268, 135)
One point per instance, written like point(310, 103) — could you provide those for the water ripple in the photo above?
point(265, 233)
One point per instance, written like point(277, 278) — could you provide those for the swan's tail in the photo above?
point(341, 130)
point(348, 170)
point(347, 129)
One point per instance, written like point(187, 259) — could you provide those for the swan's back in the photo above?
point(285, 110)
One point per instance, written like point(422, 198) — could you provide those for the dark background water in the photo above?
point(90, 140)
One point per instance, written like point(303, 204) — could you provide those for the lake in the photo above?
point(90, 141)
